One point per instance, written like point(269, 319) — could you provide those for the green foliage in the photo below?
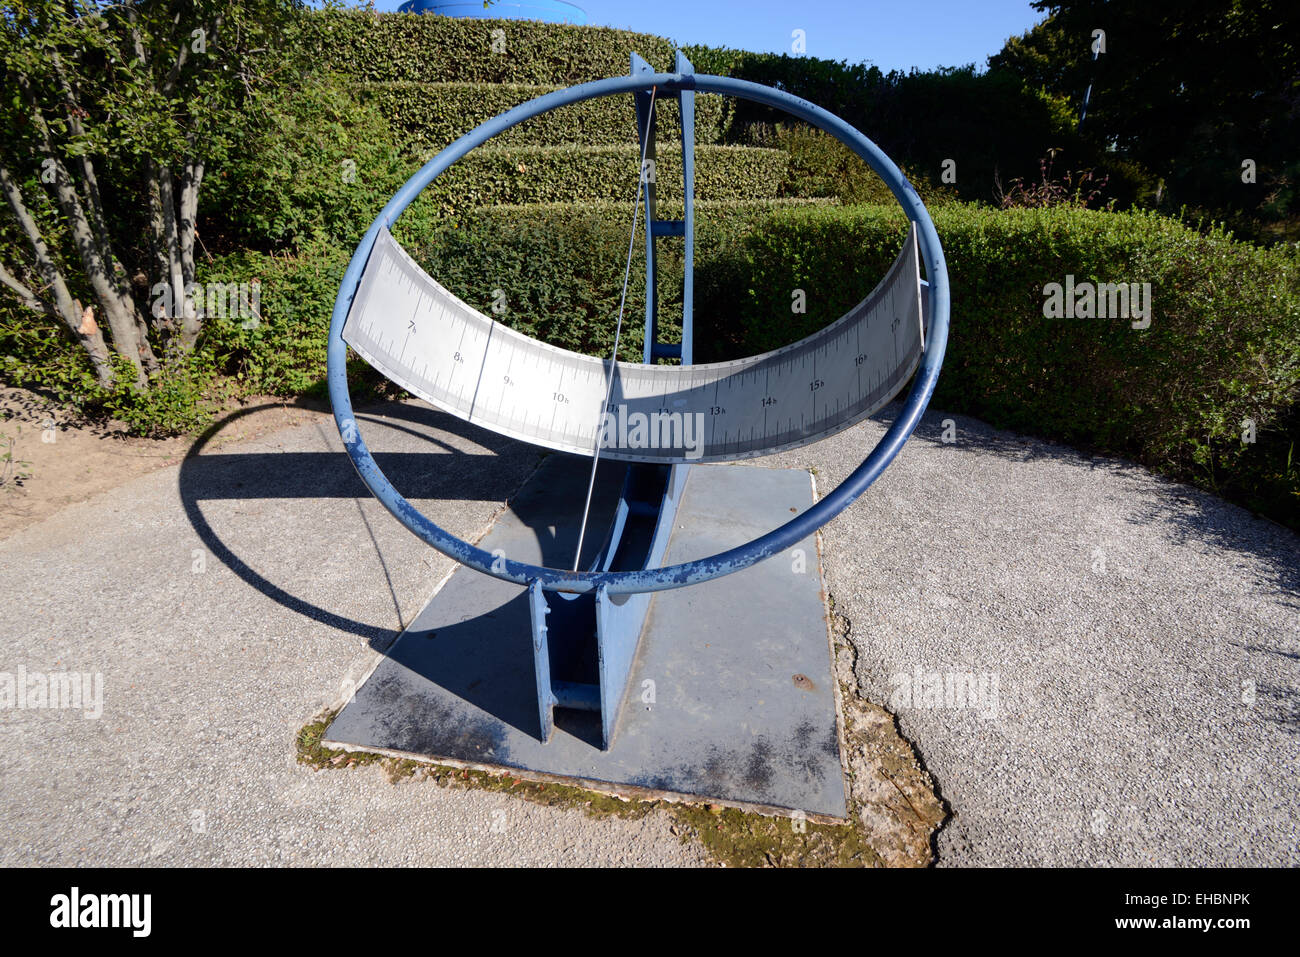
point(560, 271)
point(429, 49)
point(319, 165)
point(822, 166)
point(1188, 90)
point(848, 90)
point(1223, 345)
point(281, 352)
point(549, 174)
point(992, 125)
point(543, 216)
point(181, 397)
point(428, 116)
point(42, 357)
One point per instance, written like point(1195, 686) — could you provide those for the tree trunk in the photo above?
point(182, 308)
point(81, 323)
point(119, 310)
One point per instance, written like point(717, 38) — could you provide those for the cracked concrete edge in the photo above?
point(893, 797)
point(895, 800)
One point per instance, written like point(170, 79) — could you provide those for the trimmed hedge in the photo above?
point(388, 47)
point(1223, 345)
point(534, 174)
point(429, 116)
point(820, 165)
point(705, 209)
point(988, 122)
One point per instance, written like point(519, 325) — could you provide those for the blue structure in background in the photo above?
point(548, 11)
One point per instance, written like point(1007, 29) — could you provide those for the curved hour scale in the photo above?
point(448, 353)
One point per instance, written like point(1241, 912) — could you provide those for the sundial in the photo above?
point(406, 325)
point(547, 632)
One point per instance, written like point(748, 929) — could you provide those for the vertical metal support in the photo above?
point(539, 609)
point(687, 99)
point(602, 636)
point(646, 123)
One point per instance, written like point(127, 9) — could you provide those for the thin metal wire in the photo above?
point(618, 329)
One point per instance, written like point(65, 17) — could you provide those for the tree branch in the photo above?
point(26, 295)
point(65, 307)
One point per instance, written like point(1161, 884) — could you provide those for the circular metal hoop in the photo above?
point(723, 563)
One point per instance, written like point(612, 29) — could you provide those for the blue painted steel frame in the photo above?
point(610, 627)
point(724, 563)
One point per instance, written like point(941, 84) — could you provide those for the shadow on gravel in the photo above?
point(1188, 514)
point(445, 473)
point(1182, 513)
point(976, 434)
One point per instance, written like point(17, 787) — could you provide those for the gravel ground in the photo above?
point(225, 602)
point(1133, 645)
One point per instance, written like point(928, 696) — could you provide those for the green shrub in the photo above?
point(822, 166)
point(404, 47)
point(1223, 345)
point(282, 351)
point(41, 356)
point(560, 266)
point(848, 90)
point(321, 165)
point(541, 174)
point(990, 123)
point(431, 115)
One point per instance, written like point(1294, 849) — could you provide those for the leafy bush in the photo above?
point(991, 124)
point(1223, 345)
point(322, 165)
point(822, 166)
point(281, 351)
point(848, 90)
point(415, 48)
point(42, 357)
point(430, 115)
point(540, 174)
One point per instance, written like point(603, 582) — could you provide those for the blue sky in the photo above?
point(893, 35)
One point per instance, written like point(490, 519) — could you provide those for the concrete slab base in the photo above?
point(731, 698)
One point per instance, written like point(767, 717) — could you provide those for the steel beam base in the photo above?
point(730, 697)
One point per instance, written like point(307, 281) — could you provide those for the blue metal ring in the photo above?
point(723, 563)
